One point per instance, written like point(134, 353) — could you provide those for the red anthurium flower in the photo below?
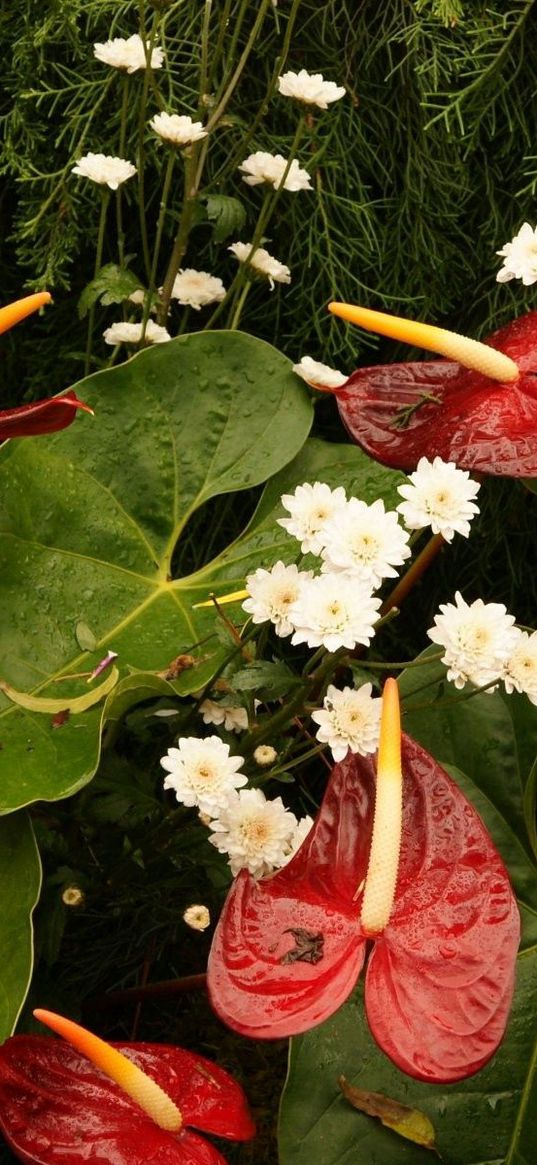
point(56, 1108)
point(43, 416)
point(481, 419)
point(289, 948)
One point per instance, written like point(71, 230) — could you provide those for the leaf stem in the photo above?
point(105, 198)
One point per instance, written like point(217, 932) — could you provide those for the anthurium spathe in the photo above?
point(480, 412)
point(43, 416)
point(289, 948)
point(58, 1107)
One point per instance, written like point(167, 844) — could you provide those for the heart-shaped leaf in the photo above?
point(54, 1104)
point(90, 521)
point(20, 870)
point(288, 948)
point(474, 421)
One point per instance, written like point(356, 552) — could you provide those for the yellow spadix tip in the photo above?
point(13, 313)
point(145, 1092)
point(470, 353)
point(233, 597)
point(389, 753)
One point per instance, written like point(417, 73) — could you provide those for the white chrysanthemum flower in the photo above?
point(310, 88)
point(262, 167)
point(127, 53)
point(178, 129)
point(273, 592)
point(234, 719)
point(256, 833)
point(202, 772)
point(124, 333)
point(478, 639)
point(520, 669)
point(264, 755)
point(311, 508)
point(441, 496)
point(349, 721)
point(520, 257)
point(300, 834)
point(334, 611)
point(197, 917)
point(197, 288)
point(365, 542)
point(104, 169)
point(319, 375)
point(262, 263)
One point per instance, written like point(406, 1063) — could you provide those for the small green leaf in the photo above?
point(112, 284)
point(227, 214)
point(267, 679)
point(85, 637)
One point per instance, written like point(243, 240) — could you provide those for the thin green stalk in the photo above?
point(443, 703)
point(148, 77)
point(217, 50)
point(398, 665)
point(160, 227)
point(204, 57)
point(183, 232)
point(121, 152)
point(105, 197)
point(222, 102)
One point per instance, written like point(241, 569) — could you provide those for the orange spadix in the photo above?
point(154, 1101)
point(13, 313)
point(381, 878)
point(470, 353)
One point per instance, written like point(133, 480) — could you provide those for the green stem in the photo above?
point(284, 716)
point(220, 37)
point(444, 703)
point(392, 665)
point(222, 102)
point(181, 240)
point(148, 77)
point(160, 227)
point(204, 57)
point(236, 314)
point(98, 262)
point(119, 193)
point(413, 574)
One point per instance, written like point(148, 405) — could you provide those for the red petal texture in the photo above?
point(249, 986)
point(440, 979)
point(57, 1109)
point(480, 424)
point(43, 416)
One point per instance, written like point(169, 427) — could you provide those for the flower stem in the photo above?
point(121, 152)
point(413, 574)
point(105, 198)
point(183, 232)
point(222, 102)
point(160, 227)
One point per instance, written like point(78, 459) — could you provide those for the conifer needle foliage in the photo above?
point(414, 174)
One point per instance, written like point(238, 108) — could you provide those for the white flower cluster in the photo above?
point(257, 834)
point(270, 168)
point(520, 257)
point(310, 88)
point(178, 129)
point(262, 263)
point(483, 647)
point(104, 169)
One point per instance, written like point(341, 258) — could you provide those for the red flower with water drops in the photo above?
point(125, 1104)
point(289, 948)
point(42, 416)
point(480, 412)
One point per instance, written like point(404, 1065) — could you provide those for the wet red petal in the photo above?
point(250, 987)
point(57, 1109)
point(440, 979)
point(43, 416)
point(479, 424)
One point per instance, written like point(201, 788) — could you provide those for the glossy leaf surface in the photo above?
point(91, 522)
point(440, 978)
point(42, 416)
point(20, 870)
point(478, 423)
point(55, 1107)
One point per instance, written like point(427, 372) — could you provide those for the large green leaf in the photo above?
point(91, 520)
point(488, 1119)
point(20, 870)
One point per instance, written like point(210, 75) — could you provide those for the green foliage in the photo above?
point(89, 533)
point(20, 876)
point(112, 284)
point(419, 174)
point(489, 1116)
